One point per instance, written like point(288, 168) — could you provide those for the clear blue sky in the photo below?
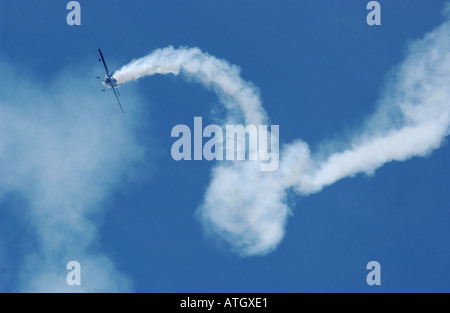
point(320, 69)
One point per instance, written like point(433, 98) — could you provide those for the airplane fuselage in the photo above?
point(109, 82)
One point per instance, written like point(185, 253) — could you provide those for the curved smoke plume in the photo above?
point(246, 207)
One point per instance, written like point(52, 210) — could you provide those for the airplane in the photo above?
point(110, 81)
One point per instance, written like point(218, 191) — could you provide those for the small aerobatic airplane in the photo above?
point(110, 81)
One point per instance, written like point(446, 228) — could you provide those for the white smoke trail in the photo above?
point(412, 120)
point(247, 207)
point(61, 152)
point(239, 97)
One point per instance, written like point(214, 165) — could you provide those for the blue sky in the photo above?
point(320, 70)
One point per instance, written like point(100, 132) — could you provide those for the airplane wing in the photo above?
point(118, 101)
point(104, 63)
